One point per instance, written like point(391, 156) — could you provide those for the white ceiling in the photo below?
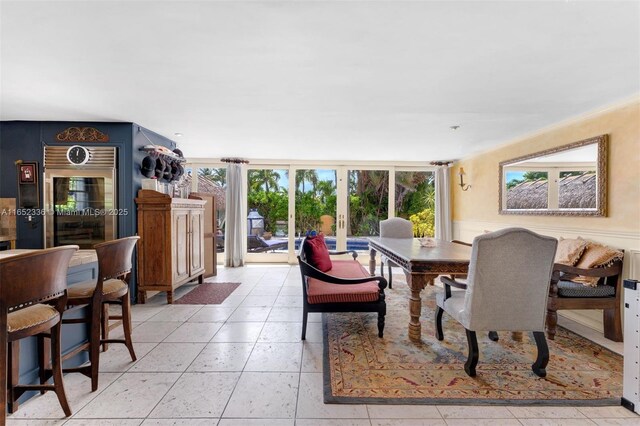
point(327, 80)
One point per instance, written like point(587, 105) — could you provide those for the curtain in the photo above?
point(235, 240)
point(443, 204)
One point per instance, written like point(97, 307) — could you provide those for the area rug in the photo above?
point(359, 367)
point(207, 294)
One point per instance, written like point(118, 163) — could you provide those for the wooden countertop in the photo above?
point(80, 257)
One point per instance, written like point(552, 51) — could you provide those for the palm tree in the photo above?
point(325, 189)
point(216, 175)
point(264, 177)
point(307, 175)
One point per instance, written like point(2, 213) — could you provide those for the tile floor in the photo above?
point(242, 363)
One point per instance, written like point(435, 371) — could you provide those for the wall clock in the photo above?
point(78, 155)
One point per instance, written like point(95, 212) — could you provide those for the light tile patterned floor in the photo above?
point(242, 363)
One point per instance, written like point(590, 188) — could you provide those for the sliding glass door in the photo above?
point(268, 212)
point(315, 204)
point(415, 200)
point(345, 203)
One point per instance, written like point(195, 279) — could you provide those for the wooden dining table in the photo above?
point(421, 266)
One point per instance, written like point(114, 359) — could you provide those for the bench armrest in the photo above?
point(353, 253)
point(310, 271)
point(590, 272)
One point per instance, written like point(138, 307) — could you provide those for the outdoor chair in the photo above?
point(506, 290)
point(394, 227)
point(257, 244)
point(35, 297)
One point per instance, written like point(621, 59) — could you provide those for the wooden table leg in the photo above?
point(416, 282)
point(372, 262)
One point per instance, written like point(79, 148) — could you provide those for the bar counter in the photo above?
point(81, 257)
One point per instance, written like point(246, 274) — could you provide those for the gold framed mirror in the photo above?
point(569, 180)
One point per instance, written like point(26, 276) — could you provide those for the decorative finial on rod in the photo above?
point(234, 160)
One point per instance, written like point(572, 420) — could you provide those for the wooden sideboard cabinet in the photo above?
point(171, 247)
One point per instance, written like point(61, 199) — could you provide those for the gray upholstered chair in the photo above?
point(394, 227)
point(507, 289)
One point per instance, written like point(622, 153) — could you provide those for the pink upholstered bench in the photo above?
point(337, 285)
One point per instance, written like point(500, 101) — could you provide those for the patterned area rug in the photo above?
point(208, 294)
point(359, 367)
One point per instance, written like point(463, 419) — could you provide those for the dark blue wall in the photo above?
point(21, 142)
point(25, 140)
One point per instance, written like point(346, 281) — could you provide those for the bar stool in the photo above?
point(34, 296)
point(112, 287)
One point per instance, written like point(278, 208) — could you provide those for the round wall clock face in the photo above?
point(78, 155)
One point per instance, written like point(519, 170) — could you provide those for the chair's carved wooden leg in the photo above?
point(542, 360)
point(474, 354)
point(439, 333)
point(305, 313)
point(552, 322)
point(493, 336)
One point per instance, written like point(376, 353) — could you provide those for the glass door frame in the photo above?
point(267, 257)
point(341, 192)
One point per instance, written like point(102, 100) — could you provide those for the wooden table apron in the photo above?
point(421, 266)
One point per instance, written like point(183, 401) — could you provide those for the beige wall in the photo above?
point(480, 203)
point(476, 210)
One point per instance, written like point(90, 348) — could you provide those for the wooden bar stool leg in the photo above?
point(105, 326)
point(13, 367)
point(94, 344)
point(56, 364)
point(44, 359)
point(126, 325)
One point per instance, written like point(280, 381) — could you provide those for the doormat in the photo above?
point(207, 294)
point(361, 368)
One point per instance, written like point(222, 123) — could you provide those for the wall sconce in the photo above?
point(462, 185)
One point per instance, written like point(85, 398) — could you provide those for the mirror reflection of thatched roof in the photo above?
point(575, 192)
point(578, 192)
point(530, 194)
point(209, 187)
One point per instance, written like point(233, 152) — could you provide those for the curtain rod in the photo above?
point(440, 163)
point(234, 160)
